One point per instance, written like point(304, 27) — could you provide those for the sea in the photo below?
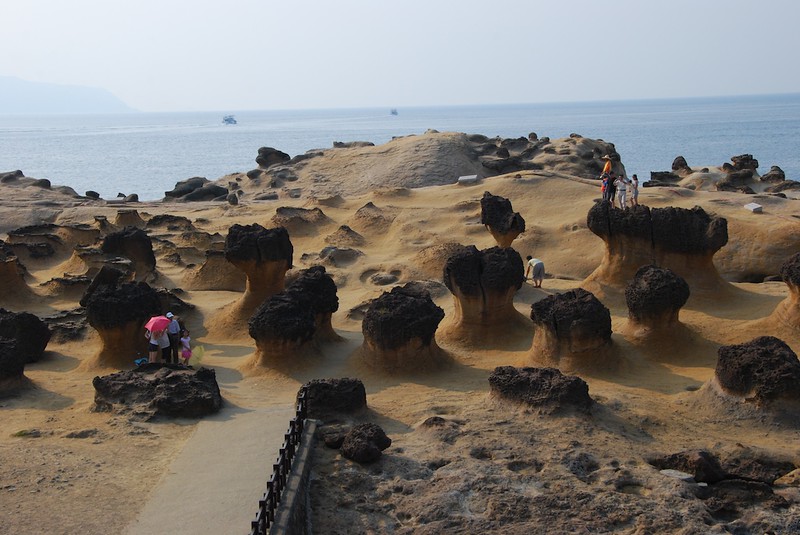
point(148, 153)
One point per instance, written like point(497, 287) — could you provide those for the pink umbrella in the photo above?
point(157, 323)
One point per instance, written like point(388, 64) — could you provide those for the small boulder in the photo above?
point(267, 156)
point(30, 333)
point(364, 443)
point(333, 396)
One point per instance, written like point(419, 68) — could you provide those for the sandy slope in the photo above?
point(491, 465)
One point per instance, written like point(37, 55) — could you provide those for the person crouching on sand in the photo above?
point(538, 271)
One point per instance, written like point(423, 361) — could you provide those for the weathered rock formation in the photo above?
point(364, 443)
point(267, 156)
point(118, 314)
point(500, 219)
point(264, 255)
point(300, 221)
point(655, 297)
point(399, 328)
point(320, 290)
point(680, 166)
point(134, 244)
point(775, 175)
point(30, 333)
point(12, 367)
point(216, 274)
point(572, 332)
point(788, 311)
point(483, 284)
point(325, 397)
point(49, 242)
point(283, 328)
point(546, 389)
point(159, 390)
point(128, 218)
point(682, 240)
point(12, 277)
point(764, 372)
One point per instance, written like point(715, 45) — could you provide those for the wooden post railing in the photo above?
point(269, 501)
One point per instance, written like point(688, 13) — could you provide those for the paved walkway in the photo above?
point(214, 484)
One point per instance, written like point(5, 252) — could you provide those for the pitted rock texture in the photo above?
point(682, 240)
point(655, 296)
point(286, 316)
point(107, 276)
point(744, 161)
point(326, 397)
point(12, 362)
point(135, 244)
point(320, 291)
point(500, 218)
point(476, 273)
point(544, 388)
point(155, 390)
point(30, 333)
point(364, 443)
point(397, 317)
point(255, 243)
point(763, 370)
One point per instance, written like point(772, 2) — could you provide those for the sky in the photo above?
point(209, 55)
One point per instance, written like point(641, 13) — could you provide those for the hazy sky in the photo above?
point(164, 55)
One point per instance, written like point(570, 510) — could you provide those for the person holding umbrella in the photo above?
point(156, 332)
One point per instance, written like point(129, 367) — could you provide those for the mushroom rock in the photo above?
point(128, 218)
point(655, 297)
point(788, 310)
point(283, 328)
point(216, 274)
point(159, 390)
point(320, 289)
point(572, 332)
point(763, 372)
point(682, 240)
point(30, 333)
point(483, 284)
point(12, 367)
point(118, 314)
point(744, 161)
point(299, 221)
point(107, 276)
point(680, 166)
point(543, 388)
point(399, 329)
point(264, 255)
point(775, 175)
point(326, 397)
point(12, 277)
point(268, 156)
point(132, 243)
point(500, 219)
point(364, 443)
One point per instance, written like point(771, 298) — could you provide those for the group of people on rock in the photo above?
point(173, 343)
point(618, 189)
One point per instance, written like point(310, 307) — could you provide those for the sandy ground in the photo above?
point(67, 469)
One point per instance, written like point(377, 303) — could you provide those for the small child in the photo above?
point(186, 349)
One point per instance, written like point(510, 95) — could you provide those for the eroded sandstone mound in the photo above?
point(325, 397)
point(30, 333)
point(764, 371)
point(682, 240)
point(788, 311)
point(483, 284)
point(299, 221)
point(500, 219)
point(118, 314)
point(543, 388)
point(264, 255)
point(128, 217)
point(216, 274)
point(399, 328)
point(572, 332)
point(12, 277)
point(159, 390)
point(132, 243)
point(655, 297)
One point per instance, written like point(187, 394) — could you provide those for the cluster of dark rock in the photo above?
point(500, 219)
point(546, 389)
point(23, 339)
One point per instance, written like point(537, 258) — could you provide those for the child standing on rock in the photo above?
point(186, 348)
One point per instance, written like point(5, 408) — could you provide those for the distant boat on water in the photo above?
point(229, 119)
point(393, 111)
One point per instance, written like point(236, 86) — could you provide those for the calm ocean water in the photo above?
point(147, 153)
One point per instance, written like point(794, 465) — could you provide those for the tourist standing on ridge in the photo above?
point(622, 187)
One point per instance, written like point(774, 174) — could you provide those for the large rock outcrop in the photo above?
point(331, 397)
point(788, 311)
point(118, 314)
point(132, 243)
point(572, 331)
point(483, 284)
point(682, 240)
point(500, 219)
point(159, 390)
point(30, 333)
point(764, 372)
point(545, 389)
point(264, 255)
point(655, 297)
point(320, 290)
point(399, 330)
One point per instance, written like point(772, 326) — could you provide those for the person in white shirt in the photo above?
point(538, 271)
point(622, 189)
